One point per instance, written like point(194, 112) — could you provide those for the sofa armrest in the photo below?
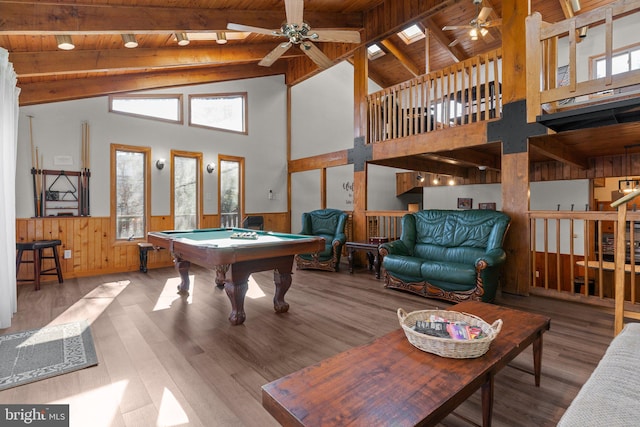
point(491, 258)
point(397, 247)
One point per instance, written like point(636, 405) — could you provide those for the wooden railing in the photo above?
point(467, 92)
point(572, 254)
point(545, 91)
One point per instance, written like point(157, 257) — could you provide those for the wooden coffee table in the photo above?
point(390, 382)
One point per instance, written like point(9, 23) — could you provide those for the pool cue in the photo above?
point(34, 170)
point(82, 161)
point(37, 185)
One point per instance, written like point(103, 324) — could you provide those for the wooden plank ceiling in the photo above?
point(100, 64)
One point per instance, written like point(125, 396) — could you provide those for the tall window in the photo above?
point(130, 187)
point(186, 195)
point(231, 191)
point(219, 111)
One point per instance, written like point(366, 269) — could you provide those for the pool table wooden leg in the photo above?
point(283, 283)
point(183, 269)
point(236, 290)
point(221, 274)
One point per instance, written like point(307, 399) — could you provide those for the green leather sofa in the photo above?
point(330, 224)
point(453, 255)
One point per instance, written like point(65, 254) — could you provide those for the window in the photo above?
point(186, 172)
point(231, 190)
point(226, 112)
point(159, 107)
point(623, 61)
point(130, 186)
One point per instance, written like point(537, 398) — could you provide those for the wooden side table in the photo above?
point(371, 248)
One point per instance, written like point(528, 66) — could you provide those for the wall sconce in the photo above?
point(211, 167)
point(64, 42)
point(182, 39)
point(582, 32)
point(160, 164)
point(129, 41)
point(221, 38)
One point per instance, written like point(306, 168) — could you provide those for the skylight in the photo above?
point(411, 34)
point(374, 51)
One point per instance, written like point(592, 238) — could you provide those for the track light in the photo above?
point(420, 178)
point(575, 5)
point(221, 38)
point(452, 181)
point(129, 41)
point(436, 180)
point(64, 42)
point(182, 39)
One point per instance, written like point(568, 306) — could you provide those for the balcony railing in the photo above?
point(467, 92)
point(572, 255)
point(555, 47)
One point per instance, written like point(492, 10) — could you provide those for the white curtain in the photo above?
point(8, 143)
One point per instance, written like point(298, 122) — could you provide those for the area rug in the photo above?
point(37, 354)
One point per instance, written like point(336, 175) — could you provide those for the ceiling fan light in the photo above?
point(64, 42)
point(484, 32)
point(129, 41)
point(182, 39)
point(473, 34)
point(221, 37)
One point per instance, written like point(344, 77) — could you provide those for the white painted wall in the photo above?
point(322, 122)
point(57, 131)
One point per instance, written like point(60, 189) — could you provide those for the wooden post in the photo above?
point(360, 91)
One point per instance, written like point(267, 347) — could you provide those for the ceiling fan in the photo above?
point(299, 33)
point(477, 26)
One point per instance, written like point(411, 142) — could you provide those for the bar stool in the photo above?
point(37, 247)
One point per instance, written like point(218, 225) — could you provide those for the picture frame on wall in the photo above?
point(464, 203)
point(487, 206)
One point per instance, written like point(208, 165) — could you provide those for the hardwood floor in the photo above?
point(164, 361)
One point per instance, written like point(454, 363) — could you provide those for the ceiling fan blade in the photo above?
point(484, 14)
point(456, 27)
point(492, 23)
point(343, 36)
point(250, 29)
point(453, 43)
point(316, 55)
point(293, 9)
point(276, 53)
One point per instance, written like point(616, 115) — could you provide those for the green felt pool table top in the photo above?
point(228, 237)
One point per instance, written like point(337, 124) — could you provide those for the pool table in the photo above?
point(235, 253)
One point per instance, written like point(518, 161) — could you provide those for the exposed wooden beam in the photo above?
point(417, 163)
point(31, 64)
point(63, 90)
point(39, 18)
point(400, 56)
point(549, 146)
point(471, 156)
point(336, 158)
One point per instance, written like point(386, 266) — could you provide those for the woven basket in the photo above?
point(448, 347)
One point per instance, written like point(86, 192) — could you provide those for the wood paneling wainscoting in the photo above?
point(93, 247)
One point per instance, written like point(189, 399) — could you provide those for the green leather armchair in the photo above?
point(447, 254)
point(330, 224)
